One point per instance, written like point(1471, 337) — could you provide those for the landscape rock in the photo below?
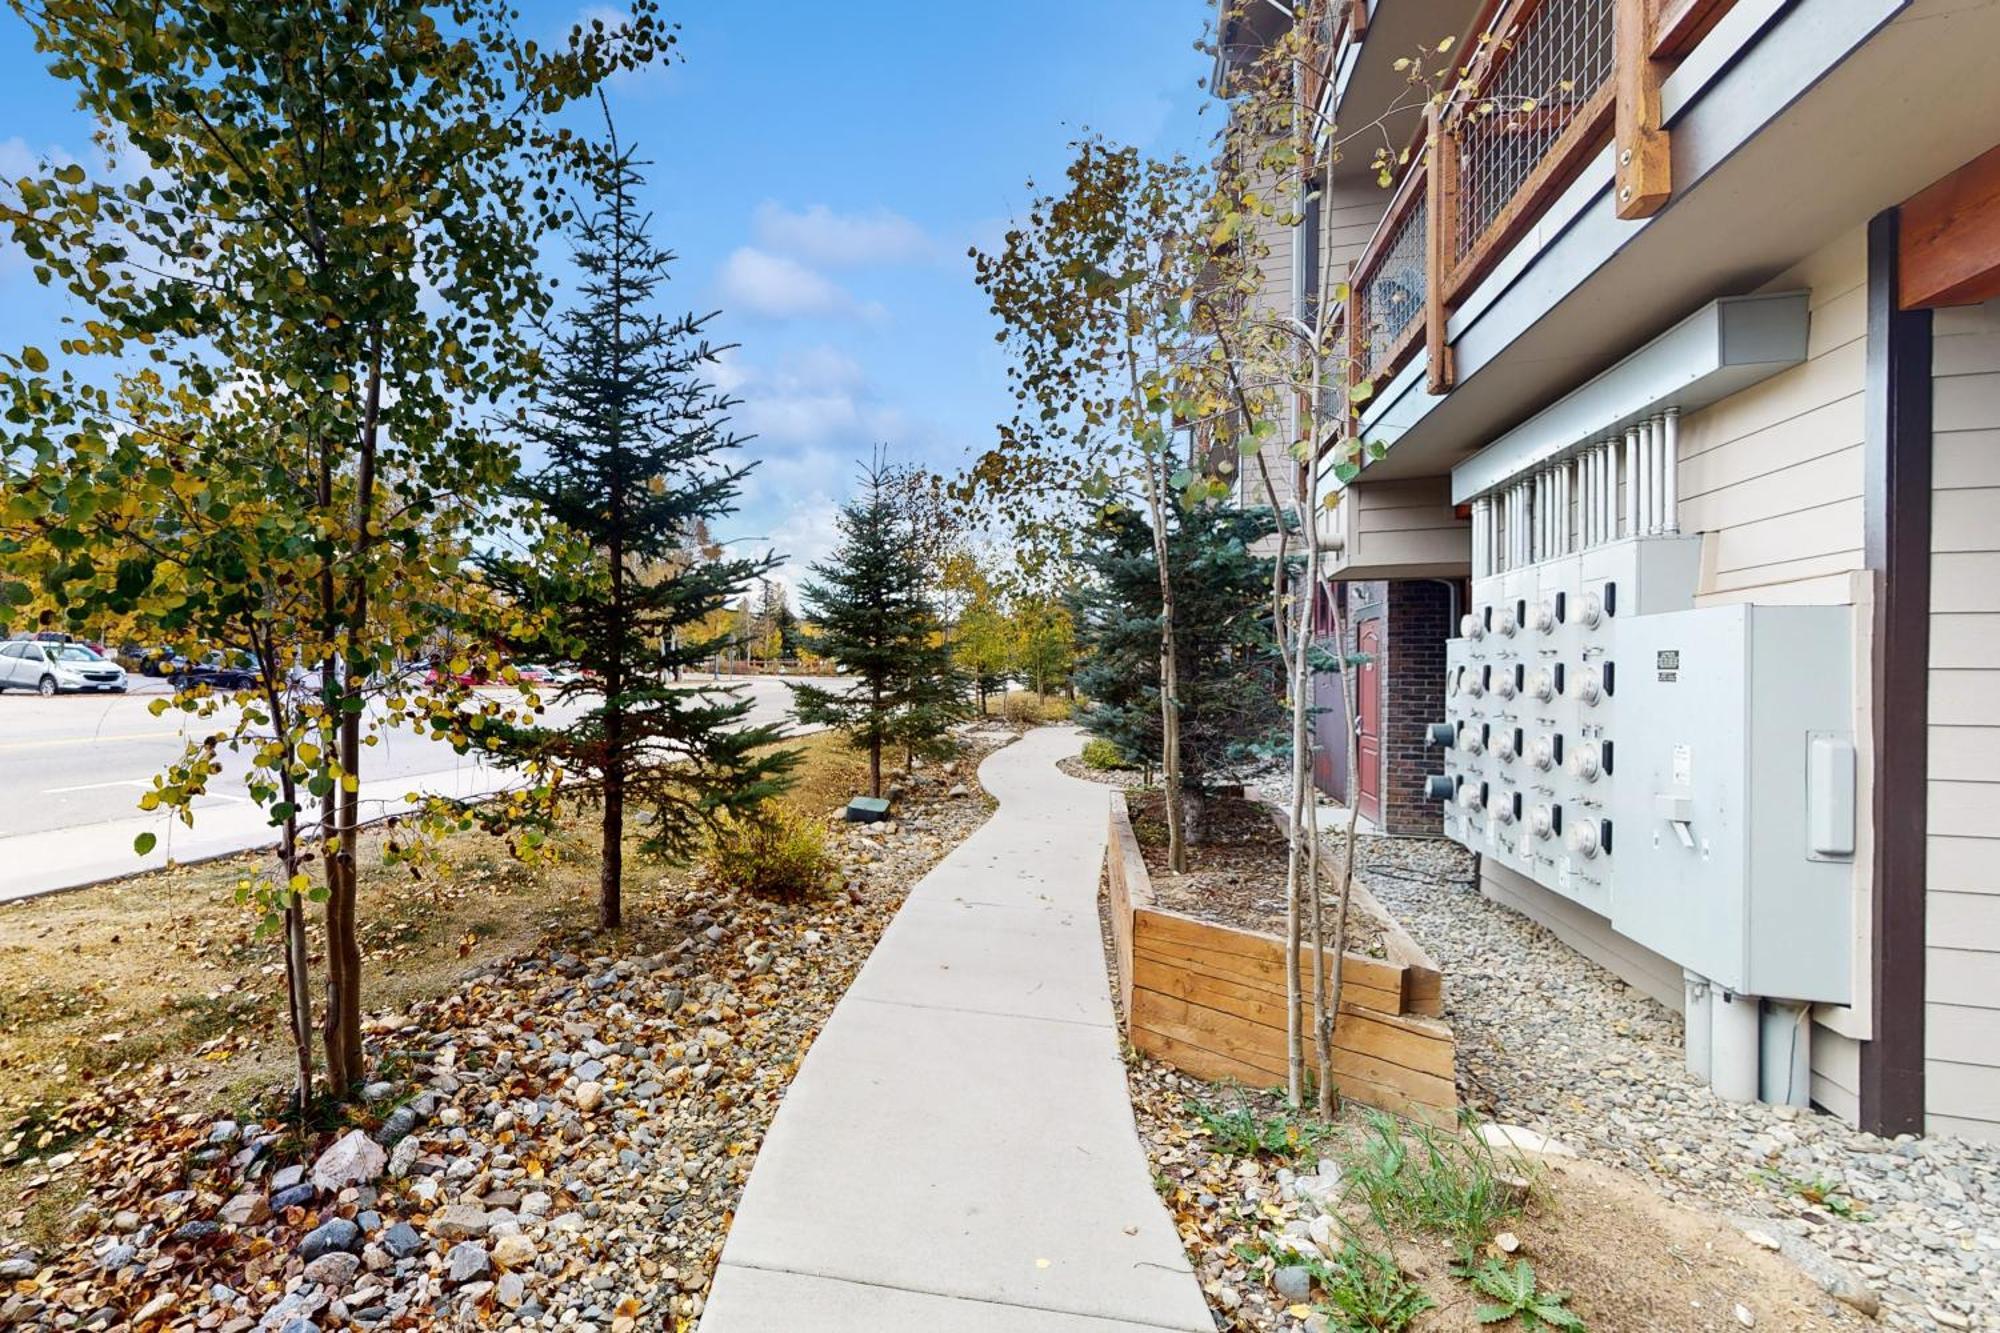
point(466, 1261)
point(333, 1270)
point(330, 1237)
point(354, 1159)
point(460, 1221)
point(402, 1240)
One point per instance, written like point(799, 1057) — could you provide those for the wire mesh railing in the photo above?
point(1390, 286)
point(1540, 90)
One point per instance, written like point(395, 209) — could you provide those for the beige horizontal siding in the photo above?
point(1962, 902)
point(1836, 1073)
point(1772, 476)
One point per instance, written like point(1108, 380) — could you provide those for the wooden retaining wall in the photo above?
point(1210, 999)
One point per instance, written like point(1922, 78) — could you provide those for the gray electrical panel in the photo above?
point(1717, 870)
point(1686, 773)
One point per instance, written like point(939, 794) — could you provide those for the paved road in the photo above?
point(957, 1151)
point(72, 769)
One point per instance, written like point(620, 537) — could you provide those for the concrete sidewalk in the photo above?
point(957, 1153)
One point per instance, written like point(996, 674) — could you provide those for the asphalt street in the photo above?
point(72, 769)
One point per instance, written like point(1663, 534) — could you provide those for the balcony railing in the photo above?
point(1549, 83)
point(1391, 285)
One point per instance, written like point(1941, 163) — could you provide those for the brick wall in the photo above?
point(1419, 612)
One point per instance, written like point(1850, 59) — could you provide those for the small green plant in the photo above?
point(1823, 1192)
point(1241, 1132)
point(771, 852)
point(1103, 755)
point(1422, 1179)
point(1512, 1293)
point(1367, 1292)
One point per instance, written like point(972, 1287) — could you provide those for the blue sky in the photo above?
point(820, 168)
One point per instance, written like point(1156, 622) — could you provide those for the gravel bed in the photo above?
point(560, 1142)
point(1549, 1040)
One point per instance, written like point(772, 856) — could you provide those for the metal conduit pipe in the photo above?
point(1562, 509)
point(1610, 448)
point(1670, 489)
point(1656, 446)
point(1649, 473)
point(1631, 482)
point(1586, 485)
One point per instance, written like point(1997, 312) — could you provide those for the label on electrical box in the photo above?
point(1562, 875)
point(1669, 665)
point(1527, 849)
point(1683, 766)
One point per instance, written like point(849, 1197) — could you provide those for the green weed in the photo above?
point(1511, 1293)
point(1420, 1179)
point(1241, 1132)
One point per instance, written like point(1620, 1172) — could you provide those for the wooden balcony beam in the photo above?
point(1645, 164)
point(1441, 182)
point(1949, 241)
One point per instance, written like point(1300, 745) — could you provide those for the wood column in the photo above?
point(1897, 542)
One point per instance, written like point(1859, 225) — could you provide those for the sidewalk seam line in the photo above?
point(986, 1013)
point(955, 1296)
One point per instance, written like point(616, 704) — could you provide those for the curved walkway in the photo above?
point(957, 1153)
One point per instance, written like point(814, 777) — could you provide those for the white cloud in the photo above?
point(778, 287)
point(815, 398)
point(819, 235)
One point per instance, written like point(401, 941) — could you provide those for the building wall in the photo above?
point(1772, 475)
point(1419, 622)
point(1962, 902)
point(1772, 479)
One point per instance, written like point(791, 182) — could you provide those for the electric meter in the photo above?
point(1471, 741)
point(1472, 626)
point(1592, 614)
point(1541, 821)
point(1589, 688)
point(1503, 746)
point(1542, 686)
point(1584, 764)
point(1543, 618)
point(1583, 839)
point(1541, 753)
point(1471, 798)
point(1506, 623)
point(1504, 687)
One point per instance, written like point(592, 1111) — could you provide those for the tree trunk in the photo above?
point(611, 868)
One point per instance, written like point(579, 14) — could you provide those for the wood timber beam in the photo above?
point(1645, 164)
point(1948, 252)
point(1441, 209)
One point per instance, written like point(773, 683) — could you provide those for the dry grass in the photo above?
point(169, 966)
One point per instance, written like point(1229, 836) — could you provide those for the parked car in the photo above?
point(232, 671)
point(51, 668)
point(158, 660)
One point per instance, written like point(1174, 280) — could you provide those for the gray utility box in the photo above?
point(1734, 795)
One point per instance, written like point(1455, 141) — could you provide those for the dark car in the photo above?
point(217, 671)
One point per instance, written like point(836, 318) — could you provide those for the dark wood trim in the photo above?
point(1897, 503)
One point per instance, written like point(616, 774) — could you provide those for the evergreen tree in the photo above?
point(878, 624)
point(1232, 705)
point(636, 438)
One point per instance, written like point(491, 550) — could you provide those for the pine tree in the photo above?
point(1232, 707)
point(878, 624)
point(636, 440)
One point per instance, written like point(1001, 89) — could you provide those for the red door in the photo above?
point(1368, 747)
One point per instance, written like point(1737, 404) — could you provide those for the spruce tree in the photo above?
point(637, 444)
point(877, 623)
point(1232, 690)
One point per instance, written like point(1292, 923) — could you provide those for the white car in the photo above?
point(51, 668)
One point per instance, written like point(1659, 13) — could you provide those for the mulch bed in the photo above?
point(1236, 872)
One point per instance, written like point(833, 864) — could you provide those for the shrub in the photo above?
point(772, 852)
point(1101, 754)
point(1027, 706)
